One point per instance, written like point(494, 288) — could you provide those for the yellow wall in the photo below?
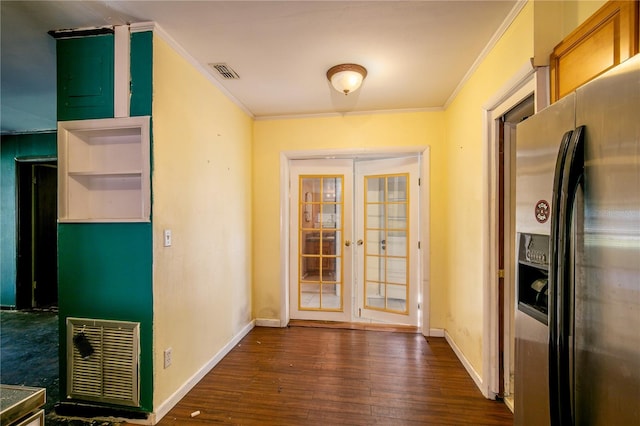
point(464, 155)
point(466, 214)
point(202, 192)
point(555, 20)
point(340, 132)
point(575, 13)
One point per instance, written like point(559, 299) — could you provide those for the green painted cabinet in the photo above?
point(85, 77)
point(141, 73)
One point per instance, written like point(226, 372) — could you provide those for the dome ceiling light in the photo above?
point(346, 78)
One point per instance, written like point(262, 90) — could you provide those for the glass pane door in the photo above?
point(320, 250)
point(387, 265)
point(386, 243)
point(320, 277)
point(383, 283)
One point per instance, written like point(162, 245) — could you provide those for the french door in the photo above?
point(354, 228)
point(320, 244)
point(387, 225)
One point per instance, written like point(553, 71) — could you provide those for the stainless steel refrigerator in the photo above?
point(578, 256)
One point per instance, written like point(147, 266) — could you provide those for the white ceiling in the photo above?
point(416, 52)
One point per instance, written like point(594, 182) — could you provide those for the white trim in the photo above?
point(199, 67)
point(517, 88)
point(284, 238)
point(354, 153)
point(121, 71)
point(170, 402)
point(490, 354)
point(543, 93)
point(268, 322)
point(436, 332)
point(349, 113)
point(467, 365)
point(140, 27)
point(521, 77)
point(425, 240)
point(513, 14)
point(509, 403)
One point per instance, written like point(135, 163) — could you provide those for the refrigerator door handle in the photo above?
point(569, 172)
point(556, 220)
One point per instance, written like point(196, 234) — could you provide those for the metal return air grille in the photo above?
point(102, 361)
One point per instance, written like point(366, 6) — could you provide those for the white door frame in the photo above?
point(287, 156)
point(526, 80)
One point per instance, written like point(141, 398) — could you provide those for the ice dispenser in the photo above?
point(533, 275)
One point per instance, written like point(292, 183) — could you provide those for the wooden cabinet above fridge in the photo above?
point(607, 38)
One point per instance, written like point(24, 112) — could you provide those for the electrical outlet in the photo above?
point(167, 237)
point(167, 357)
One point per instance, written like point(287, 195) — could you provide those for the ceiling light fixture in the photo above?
point(346, 78)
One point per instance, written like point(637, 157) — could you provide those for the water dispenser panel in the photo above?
point(533, 273)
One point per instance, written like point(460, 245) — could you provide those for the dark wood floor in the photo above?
point(320, 376)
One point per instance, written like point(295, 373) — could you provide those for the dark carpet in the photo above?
point(29, 357)
point(29, 351)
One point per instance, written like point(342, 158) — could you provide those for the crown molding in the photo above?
point(515, 11)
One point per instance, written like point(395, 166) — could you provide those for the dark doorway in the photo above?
point(506, 234)
point(37, 270)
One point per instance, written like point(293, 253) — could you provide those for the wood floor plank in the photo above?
point(314, 375)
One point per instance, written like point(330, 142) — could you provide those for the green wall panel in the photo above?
point(141, 73)
point(85, 77)
point(105, 269)
point(12, 147)
point(105, 272)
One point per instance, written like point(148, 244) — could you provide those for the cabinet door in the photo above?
point(85, 77)
point(606, 39)
point(141, 73)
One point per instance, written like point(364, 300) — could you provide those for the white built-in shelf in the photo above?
point(122, 173)
point(103, 170)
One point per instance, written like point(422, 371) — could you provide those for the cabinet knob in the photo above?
point(347, 243)
point(359, 242)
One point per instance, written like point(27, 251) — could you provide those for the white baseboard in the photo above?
point(508, 401)
point(436, 332)
point(170, 402)
point(467, 365)
point(267, 322)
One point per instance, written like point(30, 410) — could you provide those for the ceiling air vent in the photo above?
point(225, 71)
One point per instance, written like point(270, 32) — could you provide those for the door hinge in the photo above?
point(359, 312)
point(419, 181)
point(500, 273)
point(419, 306)
point(419, 245)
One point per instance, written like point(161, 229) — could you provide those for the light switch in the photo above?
point(167, 237)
